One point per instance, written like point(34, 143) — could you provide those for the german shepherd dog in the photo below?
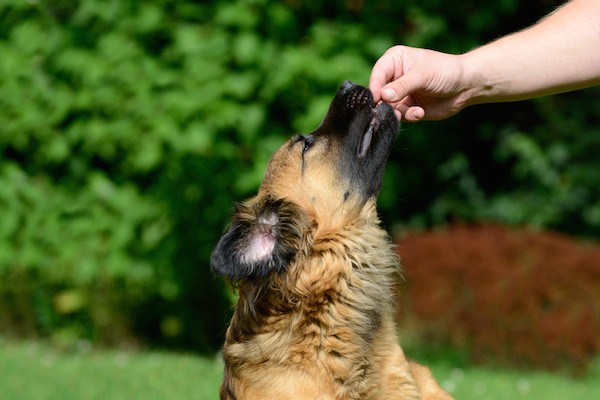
point(314, 270)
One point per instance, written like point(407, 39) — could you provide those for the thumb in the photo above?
point(402, 87)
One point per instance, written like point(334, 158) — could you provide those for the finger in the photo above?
point(409, 113)
point(414, 114)
point(403, 86)
point(383, 72)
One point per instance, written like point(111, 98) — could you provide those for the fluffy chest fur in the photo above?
point(322, 319)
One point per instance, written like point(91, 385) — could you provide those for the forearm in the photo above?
point(558, 54)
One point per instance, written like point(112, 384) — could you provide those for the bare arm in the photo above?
point(560, 53)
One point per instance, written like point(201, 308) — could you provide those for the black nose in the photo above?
point(346, 86)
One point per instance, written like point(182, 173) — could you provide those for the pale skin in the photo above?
point(560, 53)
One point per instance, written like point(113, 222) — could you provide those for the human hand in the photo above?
point(420, 84)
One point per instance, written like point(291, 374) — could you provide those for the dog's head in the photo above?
point(314, 183)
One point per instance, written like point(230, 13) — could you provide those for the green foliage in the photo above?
point(541, 175)
point(128, 128)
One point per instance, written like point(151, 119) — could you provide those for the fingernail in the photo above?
point(389, 94)
point(418, 114)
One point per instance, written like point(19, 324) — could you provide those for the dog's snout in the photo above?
point(355, 97)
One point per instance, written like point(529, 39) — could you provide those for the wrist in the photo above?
point(477, 86)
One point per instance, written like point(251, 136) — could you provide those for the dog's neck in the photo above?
point(366, 265)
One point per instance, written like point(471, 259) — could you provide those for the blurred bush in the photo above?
point(128, 128)
point(516, 297)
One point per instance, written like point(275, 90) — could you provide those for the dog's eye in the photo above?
point(308, 142)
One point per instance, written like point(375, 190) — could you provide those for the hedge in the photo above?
point(128, 128)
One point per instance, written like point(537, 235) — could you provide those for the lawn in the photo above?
point(32, 371)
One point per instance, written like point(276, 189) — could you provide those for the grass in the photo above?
point(495, 384)
point(32, 371)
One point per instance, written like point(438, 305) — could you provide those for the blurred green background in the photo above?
point(128, 129)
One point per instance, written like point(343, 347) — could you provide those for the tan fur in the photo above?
point(323, 328)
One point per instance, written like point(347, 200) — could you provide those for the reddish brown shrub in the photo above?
point(524, 297)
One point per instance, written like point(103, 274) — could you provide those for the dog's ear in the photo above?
point(264, 236)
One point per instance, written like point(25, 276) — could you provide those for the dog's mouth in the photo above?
point(361, 132)
point(372, 127)
point(366, 127)
point(365, 133)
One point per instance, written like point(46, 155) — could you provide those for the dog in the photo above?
point(314, 270)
